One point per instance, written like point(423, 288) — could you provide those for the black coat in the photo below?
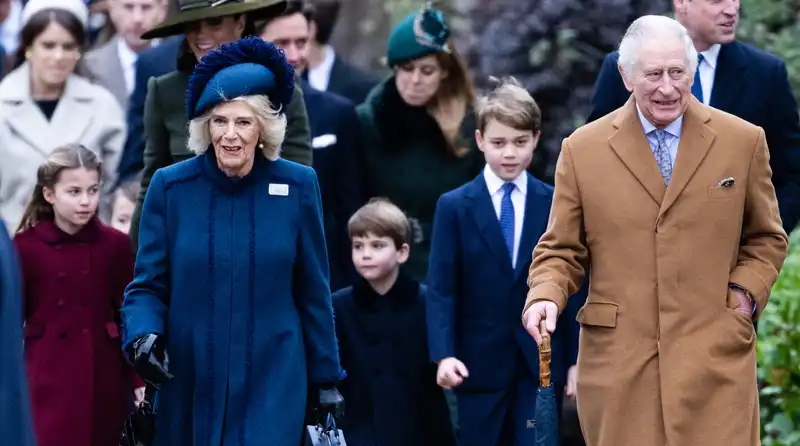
point(390, 390)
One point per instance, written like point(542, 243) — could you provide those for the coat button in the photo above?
point(61, 303)
point(85, 331)
point(61, 276)
point(63, 335)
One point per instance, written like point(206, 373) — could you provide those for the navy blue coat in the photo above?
point(475, 309)
point(153, 62)
point(234, 273)
point(335, 139)
point(753, 85)
point(15, 413)
point(390, 390)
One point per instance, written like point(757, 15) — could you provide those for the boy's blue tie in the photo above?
point(697, 87)
point(507, 218)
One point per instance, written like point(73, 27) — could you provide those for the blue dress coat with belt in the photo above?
point(233, 271)
point(15, 412)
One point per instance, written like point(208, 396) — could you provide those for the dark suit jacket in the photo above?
point(753, 85)
point(476, 301)
point(335, 140)
point(152, 62)
point(15, 417)
point(350, 81)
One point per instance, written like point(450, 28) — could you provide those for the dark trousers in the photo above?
point(503, 418)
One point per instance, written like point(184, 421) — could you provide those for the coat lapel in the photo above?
point(537, 211)
point(696, 140)
point(482, 211)
point(631, 146)
point(69, 122)
point(729, 77)
point(73, 115)
point(110, 68)
point(23, 115)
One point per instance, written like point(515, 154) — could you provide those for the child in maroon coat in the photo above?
point(75, 270)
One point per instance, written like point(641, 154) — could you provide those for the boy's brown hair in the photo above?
point(380, 217)
point(509, 104)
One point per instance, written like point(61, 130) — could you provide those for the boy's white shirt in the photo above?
point(495, 186)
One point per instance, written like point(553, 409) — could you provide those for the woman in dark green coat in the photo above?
point(419, 127)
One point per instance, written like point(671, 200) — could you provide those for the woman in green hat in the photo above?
point(419, 126)
point(205, 25)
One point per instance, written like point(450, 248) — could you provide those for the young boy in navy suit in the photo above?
point(483, 237)
point(390, 388)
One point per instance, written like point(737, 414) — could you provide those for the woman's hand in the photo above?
point(150, 359)
point(330, 401)
point(139, 394)
point(572, 382)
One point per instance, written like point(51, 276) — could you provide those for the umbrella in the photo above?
point(140, 427)
point(546, 408)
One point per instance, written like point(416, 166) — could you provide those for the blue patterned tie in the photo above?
point(661, 152)
point(697, 87)
point(507, 218)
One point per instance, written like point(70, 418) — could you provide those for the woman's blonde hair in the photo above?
point(70, 156)
point(271, 123)
point(455, 96)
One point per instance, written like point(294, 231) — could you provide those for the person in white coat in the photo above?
point(44, 105)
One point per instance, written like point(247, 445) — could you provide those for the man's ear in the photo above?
point(628, 85)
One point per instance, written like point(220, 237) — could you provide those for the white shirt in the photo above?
point(127, 59)
point(707, 69)
point(673, 138)
point(495, 186)
point(320, 76)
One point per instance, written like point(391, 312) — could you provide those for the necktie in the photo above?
point(661, 152)
point(507, 218)
point(697, 87)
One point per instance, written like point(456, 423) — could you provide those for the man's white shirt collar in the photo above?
point(495, 183)
point(674, 128)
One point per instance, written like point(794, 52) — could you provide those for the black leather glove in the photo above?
point(150, 359)
point(329, 402)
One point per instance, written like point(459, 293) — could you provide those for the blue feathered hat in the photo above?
point(250, 66)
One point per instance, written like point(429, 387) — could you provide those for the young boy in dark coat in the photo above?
point(483, 237)
point(390, 388)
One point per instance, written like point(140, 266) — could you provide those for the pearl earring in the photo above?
point(261, 145)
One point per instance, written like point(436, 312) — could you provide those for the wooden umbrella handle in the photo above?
point(544, 356)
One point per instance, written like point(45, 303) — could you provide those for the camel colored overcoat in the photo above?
point(664, 358)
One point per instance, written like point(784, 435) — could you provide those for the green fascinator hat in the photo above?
point(421, 33)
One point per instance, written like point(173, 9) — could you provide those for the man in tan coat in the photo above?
point(670, 205)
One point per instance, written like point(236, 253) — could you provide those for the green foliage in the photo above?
point(779, 355)
point(773, 25)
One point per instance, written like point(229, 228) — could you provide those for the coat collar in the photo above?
point(630, 144)
point(228, 184)
point(48, 232)
point(72, 116)
point(404, 290)
point(537, 210)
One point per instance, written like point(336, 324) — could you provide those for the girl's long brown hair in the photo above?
point(70, 156)
point(455, 96)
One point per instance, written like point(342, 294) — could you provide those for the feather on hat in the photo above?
point(250, 66)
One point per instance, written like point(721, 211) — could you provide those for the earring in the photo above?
point(27, 54)
point(261, 145)
point(78, 56)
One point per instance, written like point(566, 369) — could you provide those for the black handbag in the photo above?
point(325, 434)
point(140, 426)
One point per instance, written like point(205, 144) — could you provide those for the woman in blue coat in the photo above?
point(229, 311)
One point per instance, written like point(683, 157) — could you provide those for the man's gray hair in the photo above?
point(653, 27)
